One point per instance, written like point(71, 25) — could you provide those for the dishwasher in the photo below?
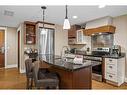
point(96, 67)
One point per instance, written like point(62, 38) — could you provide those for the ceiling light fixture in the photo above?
point(43, 31)
point(75, 17)
point(66, 21)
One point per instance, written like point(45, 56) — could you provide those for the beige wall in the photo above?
point(61, 39)
point(99, 22)
point(120, 36)
point(11, 43)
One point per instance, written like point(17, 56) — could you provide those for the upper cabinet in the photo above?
point(102, 29)
point(30, 32)
point(79, 39)
point(72, 31)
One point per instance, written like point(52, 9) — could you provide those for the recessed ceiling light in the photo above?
point(74, 17)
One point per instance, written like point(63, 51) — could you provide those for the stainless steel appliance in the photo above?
point(101, 51)
point(96, 58)
point(46, 41)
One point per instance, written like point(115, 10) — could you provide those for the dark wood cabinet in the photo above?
point(77, 79)
point(30, 32)
point(72, 31)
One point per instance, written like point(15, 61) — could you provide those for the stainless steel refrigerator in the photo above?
point(46, 41)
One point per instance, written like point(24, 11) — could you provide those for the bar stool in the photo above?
point(44, 80)
point(29, 72)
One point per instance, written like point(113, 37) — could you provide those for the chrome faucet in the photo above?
point(67, 50)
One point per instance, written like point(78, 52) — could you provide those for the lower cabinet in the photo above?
point(115, 71)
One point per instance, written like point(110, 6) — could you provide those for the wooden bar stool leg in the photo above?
point(31, 83)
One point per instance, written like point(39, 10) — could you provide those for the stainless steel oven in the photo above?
point(96, 59)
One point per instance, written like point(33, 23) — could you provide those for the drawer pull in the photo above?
point(110, 60)
point(110, 67)
point(110, 76)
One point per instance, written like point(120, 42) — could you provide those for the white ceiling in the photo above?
point(56, 14)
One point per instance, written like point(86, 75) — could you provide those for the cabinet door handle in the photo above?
point(110, 67)
point(110, 76)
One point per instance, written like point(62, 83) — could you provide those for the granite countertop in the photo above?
point(57, 62)
point(115, 56)
point(106, 56)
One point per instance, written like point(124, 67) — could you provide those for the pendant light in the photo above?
point(43, 31)
point(66, 21)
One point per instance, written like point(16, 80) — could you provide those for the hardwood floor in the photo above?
point(12, 79)
point(102, 86)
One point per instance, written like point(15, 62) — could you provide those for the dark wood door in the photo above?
point(2, 57)
point(18, 49)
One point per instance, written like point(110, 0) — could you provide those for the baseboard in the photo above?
point(11, 66)
point(125, 80)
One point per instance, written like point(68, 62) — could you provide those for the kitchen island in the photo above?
point(72, 76)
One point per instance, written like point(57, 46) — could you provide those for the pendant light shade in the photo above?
point(43, 31)
point(66, 24)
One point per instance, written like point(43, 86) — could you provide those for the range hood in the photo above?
point(99, 26)
point(102, 29)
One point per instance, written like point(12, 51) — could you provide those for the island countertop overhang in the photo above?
point(54, 60)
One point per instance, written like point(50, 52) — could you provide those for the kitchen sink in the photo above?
point(64, 60)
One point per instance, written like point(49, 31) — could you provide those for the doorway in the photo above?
point(2, 48)
point(18, 50)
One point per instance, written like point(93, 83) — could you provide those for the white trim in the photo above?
point(11, 66)
point(125, 80)
point(5, 29)
point(22, 71)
